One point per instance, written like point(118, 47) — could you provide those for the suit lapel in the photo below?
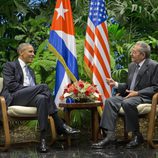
point(142, 71)
point(19, 71)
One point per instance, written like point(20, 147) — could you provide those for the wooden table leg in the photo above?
point(67, 118)
point(95, 124)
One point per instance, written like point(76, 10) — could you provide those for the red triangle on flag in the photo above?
point(62, 19)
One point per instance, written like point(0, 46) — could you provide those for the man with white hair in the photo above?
point(141, 85)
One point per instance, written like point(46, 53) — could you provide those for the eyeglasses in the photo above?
point(134, 52)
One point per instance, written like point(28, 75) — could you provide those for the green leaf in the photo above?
point(19, 37)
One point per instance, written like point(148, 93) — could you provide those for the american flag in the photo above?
point(62, 44)
point(97, 52)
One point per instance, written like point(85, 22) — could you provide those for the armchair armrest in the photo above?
point(152, 119)
point(155, 99)
point(154, 106)
point(3, 108)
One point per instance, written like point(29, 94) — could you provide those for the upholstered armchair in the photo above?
point(150, 111)
point(18, 112)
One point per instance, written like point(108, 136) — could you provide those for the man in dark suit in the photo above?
point(141, 85)
point(20, 88)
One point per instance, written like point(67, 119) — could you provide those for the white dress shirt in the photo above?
point(26, 77)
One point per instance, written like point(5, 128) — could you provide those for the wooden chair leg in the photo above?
point(53, 130)
point(67, 119)
point(5, 125)
point(152, 120)
point(124, 126)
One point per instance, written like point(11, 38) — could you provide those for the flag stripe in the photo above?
point(89, 30)
point(69, 41)
point(106, 38)
point(102, 62)
point(100, 33)
point(101, 81)
point(102, 54)
point(63, 79)
point(89, 49)
point(88, 63)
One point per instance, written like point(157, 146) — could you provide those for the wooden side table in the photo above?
point(92, 106)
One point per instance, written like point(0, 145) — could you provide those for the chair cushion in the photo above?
point(142, 108)
point(1, 84)
point(22, 111)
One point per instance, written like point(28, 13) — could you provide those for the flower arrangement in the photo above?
point(80, 90)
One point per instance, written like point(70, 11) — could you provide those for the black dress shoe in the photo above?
point(103, 143)
point(43, 147)
point(69, 130)
point(1, 123)
point(136, 141)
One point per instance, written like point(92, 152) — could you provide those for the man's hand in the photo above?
point(110, 82)
point(131, 93)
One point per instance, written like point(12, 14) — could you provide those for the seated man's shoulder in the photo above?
point(10, 63)
point(153, 62)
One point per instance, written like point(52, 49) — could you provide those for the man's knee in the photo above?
point(41, 98)
point(44, 86)
point(41, 102)
point(109, 104)
point(126, 104)
point(108, 100)
point(111, 101)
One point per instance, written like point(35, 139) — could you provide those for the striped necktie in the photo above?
point(28, 75)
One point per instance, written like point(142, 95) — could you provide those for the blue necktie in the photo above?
point(31, 81)
point(132, 86)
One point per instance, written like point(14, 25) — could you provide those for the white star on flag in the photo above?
point(61, 11)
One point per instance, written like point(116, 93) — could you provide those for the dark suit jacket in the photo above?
point(13, 80)
point(146, 81)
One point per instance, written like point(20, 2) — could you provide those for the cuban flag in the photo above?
point(62, 44)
